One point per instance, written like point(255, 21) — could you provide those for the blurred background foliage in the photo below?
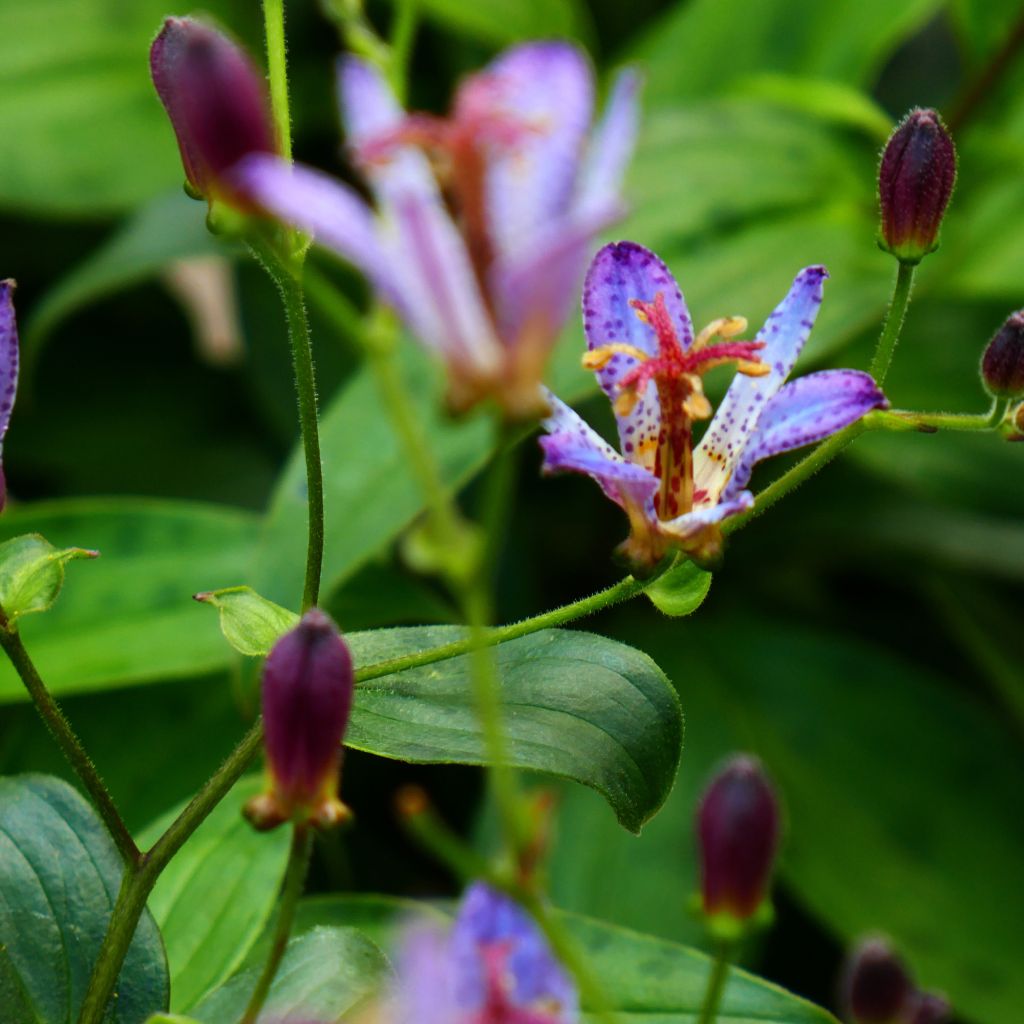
point(864, 637)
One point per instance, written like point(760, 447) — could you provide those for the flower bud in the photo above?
point(1002, 365)
point(929, 1008)
point(876, 986)
point(915, 181)
point(738, 823)
point(307, 696)
point(216, 100)
point(8, 370)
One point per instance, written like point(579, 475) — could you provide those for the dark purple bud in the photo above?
point(216, 100)
point(929, 1008)
point(738, 823)
point(876, 986)
point(8, 370)
point(915, 181)
point(307, 696)
point(1002, 365)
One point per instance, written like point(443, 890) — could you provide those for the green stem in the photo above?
point(294, 881)
point(286, 273)
point(277, 71)
point(71, 746)
point(403, 31)
point(139, 879)
point(886, 346)
point(716, 984)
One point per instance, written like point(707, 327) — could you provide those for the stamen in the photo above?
point(599, 358)
point(724, 327)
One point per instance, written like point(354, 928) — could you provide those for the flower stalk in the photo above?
point(716, 983)
point(894, 317)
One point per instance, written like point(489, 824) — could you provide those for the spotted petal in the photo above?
point(691, 522)
point(620, 273)
point(546, 89)
point(573, 447)
point(784, 335)
point(8, 369)
point(805, 411)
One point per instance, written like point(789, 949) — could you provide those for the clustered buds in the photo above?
point(738, 827)
point(915, 181)
point(216, 100)
point(878, 989)
point(307, 695)
point(1002, 365)
point(8, 369)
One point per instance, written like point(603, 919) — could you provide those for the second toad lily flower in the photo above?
point(483, 220)
point(642, 346)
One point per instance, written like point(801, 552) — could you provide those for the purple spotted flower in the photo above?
point(8, 370)
point(641, 344)
point(492, 967)
point(483, 220)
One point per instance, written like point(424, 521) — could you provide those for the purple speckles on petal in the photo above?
point(8, 369)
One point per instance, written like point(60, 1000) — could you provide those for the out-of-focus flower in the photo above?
point(642, 346)
point(8, 370)
point(307, 695)
point(877, 988)
point(915, 181)
point(483, 220)
point(929, 1008)
point(738, 833)
point(492, 967)
point(1002, 364)
point(216, 100)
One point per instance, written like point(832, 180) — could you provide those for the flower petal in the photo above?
point(691, 522)
point(572, 446)
point(784, 334)
point(621, 272)
point(805, 411)
point(425, 990)
point(610, 149)
point(8, 369)
point(545, 92)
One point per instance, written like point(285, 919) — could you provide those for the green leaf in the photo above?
point(32, 573)
point(325, 974)
point(645, 979)
point(250, 623)
point(509, 21)
point(130, 618)
point(681, 590)
point(171, 227)
point(59, 875)
point(577, 705)
point(84, 133)
point(214, 898)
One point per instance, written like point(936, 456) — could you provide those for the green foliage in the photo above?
point(59, 874)
point(680, 591)
point(507, 21)
point(250, 623)
point(216, 896)
point(32, 573)
point(620, 733)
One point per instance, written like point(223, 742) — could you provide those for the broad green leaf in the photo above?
point(681, 590)
point(32, 573)
point(577, 705)
point(130, 618)
point(645, 979)
point(695, 47)
point(250, 623)
point(171, 227)
point(326, 974)
point(214, 898)
point(84, 134)
point(171, 1018)
point(509, 21)
point(59, 876)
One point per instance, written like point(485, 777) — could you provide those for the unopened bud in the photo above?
point(216, 100)
point(738, 823)
point(307, 695)
point(1002, 365)
point(915, 181)
point(929, 1008)
point(876, 986)
point(8, 370)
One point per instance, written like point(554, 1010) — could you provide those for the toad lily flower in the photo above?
point(641, 345)
point(483, 219)
point(8, 370)
point(492, 967)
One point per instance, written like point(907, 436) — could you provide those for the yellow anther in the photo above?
point(599, 358)
point(723, 327)
point(697, 406)
point(753, 368)
point(625, 402)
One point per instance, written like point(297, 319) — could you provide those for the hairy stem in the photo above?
point(294, 880)
point(67, 739)
point(886, 346)
point(277, 72)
